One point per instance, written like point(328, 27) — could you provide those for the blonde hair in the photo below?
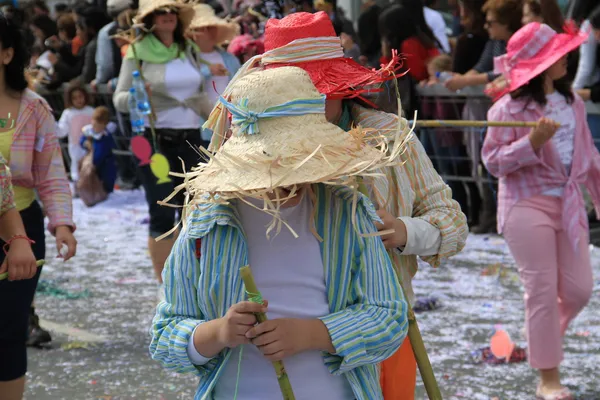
point(101, 115)
point(441, 63)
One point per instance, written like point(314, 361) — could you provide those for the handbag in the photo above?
point(89, 186)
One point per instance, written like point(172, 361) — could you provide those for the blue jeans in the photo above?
point(594, 123)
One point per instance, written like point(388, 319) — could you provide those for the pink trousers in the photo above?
point(558, 281)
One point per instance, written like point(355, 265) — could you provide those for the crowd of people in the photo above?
point(274, 92)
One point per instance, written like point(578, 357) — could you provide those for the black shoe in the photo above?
point(37, 335)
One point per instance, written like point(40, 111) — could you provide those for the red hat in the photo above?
point(309, 41)
point(242, 43)
point(532, 50)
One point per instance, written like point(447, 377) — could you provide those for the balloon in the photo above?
point(140, 146)
point(501, 345)
point(160, 167)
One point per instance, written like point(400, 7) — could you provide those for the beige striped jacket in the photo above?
point(416, 190)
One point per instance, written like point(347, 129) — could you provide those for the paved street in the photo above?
point(101, 338)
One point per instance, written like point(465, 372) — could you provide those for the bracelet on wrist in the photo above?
point(12, 239)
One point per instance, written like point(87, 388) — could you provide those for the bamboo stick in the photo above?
point(416, 340)
point(38, 264)
point(472, 124)
point(282, 377)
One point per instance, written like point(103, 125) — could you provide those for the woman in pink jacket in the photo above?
point(28, 141)
point(541, 209)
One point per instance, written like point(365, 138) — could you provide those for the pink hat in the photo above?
point(532, 50)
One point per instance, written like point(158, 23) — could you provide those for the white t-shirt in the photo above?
point(183, 81)
point(557, 109)
point(215, 82)
point(289, 273)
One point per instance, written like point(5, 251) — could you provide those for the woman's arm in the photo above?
point(48, 170)
point(433, 203)
point(121, 96)
point(7, 230)
point(587, 59)
point(176, 318)
point(503, 153)
point(374, 325)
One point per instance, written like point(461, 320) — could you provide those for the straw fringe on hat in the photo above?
point(205, 16)
point(281, 138)
point(147, 7)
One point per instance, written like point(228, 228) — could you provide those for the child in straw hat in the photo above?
point(331, 293)
point(414, 203)
point(541, 210)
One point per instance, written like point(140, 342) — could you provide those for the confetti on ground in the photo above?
point(121, 368)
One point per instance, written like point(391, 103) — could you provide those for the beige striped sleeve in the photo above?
point(433, 201)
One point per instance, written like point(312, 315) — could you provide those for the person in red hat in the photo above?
point(412, 200)
point(541, 210)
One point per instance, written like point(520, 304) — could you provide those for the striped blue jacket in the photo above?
point(368, 319)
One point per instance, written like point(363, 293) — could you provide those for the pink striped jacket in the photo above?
point(523, 172)
point(36, 160)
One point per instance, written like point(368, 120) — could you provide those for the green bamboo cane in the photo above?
point(252, 291)
point(416, 340)
point(38, 264)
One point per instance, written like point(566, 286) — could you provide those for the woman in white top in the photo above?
point(171, 69)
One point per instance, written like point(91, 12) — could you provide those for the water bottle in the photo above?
point(443, 76)
point(140, 93)
point(135, 116)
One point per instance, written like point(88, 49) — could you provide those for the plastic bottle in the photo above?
point(443, 76)
point(140, 93)
point(135, 116)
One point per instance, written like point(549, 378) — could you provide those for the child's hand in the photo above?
point(237, 322)
point(281, 338)
point(19, 261)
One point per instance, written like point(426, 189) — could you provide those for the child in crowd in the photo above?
point(335, 307)
point(439, 68)
point(98, 138)
point(76, 115)
point(541, 210)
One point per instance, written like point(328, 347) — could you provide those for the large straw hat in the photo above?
point(185, 11)
point(281, 138)
point(205, 16)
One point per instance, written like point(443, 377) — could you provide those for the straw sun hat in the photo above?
point(205, 17)
point(185, 11)
point(281, 139)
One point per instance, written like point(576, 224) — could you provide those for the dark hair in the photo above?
point(61, 8)
point(75, 87)
point(396, 24)
point(11, 36)
point(41, 4)
point(368, 32)
point(178, 35)
point(534, 90)
point(473, 9)
point(549, 11)
point(594, 18)
point(508, 12)
point(579, 11)
point(45, 24)
point(414, 15)
point(67, 23)
point(92, 19)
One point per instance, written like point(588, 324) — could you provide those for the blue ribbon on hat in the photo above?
point(247, 120)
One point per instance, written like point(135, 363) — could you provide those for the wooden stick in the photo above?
point(282, 377)
point(38, 264)
point(416, 340)
point(472, 124)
